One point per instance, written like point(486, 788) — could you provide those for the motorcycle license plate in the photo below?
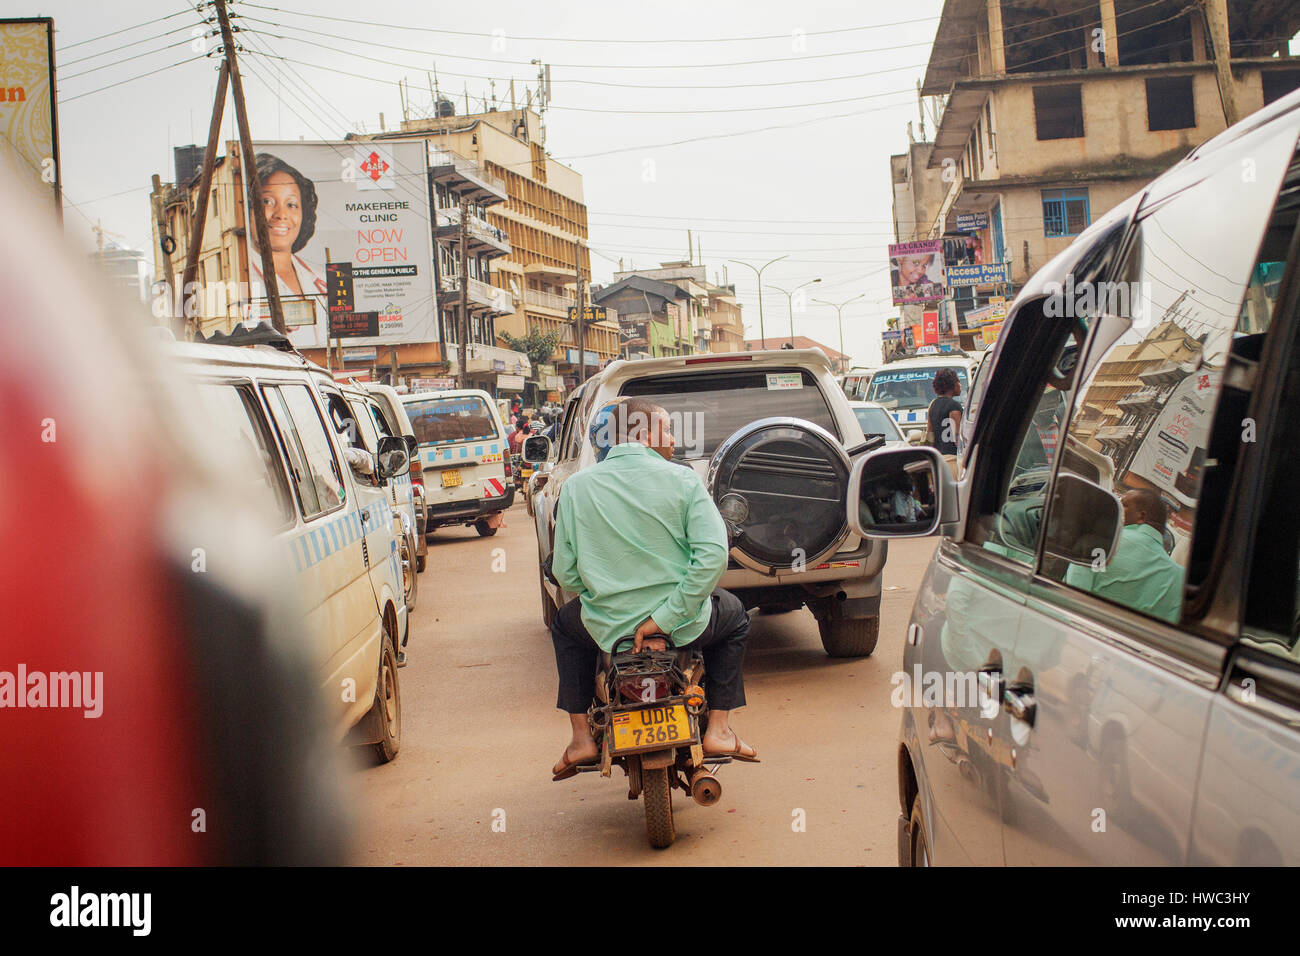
point(651, 727)
point(451, 478)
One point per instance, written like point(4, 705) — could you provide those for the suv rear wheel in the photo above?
point(849, 636)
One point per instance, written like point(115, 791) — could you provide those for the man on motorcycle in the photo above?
point(643, 546)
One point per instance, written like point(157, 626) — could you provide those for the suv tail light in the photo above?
point(506, 461)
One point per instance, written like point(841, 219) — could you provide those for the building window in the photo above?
point(1169, 103)
point(1278, 83)
point(1065, 212)
point(1058, 111)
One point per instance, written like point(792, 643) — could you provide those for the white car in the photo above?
point(875, 420)
point(769, 433)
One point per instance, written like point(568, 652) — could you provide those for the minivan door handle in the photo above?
point(1018, 701)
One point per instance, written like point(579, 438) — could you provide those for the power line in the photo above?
point(105, 36)
point(124, 46)
point(130, 79)
point(128, 59)
point(532, 39)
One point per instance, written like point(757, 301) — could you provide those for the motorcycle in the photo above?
point(648, 718)
point(521, 470)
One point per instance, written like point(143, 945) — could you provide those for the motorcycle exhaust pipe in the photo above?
point(705, 788)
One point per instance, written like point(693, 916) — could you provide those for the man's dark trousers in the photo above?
point(722, 644)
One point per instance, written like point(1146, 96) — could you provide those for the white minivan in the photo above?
point(466, 457)
point(905, 387)
point(292, 434)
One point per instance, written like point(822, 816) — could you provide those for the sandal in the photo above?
point(734, 753)
point(570, 768)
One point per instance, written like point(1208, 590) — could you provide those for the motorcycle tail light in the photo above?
point(643, 688)
point(506, 461)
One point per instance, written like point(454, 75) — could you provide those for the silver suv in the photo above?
point(1103, 660)
point(763, 430)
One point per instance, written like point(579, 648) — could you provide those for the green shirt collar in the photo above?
point(1147, 531)
point(630, 448)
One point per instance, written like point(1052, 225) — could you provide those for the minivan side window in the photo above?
point(243, 437)
point(1142, 425)
point(317, 479)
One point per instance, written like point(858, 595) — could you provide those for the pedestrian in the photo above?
point(944, 416)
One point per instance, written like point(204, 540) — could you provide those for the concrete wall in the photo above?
point(1022, 212)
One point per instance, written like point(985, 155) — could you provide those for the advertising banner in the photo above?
point(1171, 454)
point(983, 274)
point(29, 138)
point(916, 271)
point(930, 328)
point(349, 225)
point(972, 221)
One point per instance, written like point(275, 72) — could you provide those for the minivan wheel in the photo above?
point(388, 703)
point(410, 583)
point(849, 636)
point(920, 839)
point(548, 606)
point(484, 529)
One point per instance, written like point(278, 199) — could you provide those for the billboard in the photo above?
point(349, 228)
point(1173, 450)
point(29, 138)
point(916, 271)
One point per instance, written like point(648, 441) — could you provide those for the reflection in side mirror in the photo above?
point(915, 437)
point(536, 449)
point(412, 446)
point(1084, 522)
point(899, 493)
point(393, 458)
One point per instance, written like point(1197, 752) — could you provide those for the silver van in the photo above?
point(1103, 659)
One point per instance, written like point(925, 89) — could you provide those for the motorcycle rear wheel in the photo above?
point(657, 792)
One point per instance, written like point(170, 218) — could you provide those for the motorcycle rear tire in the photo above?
point(657, 792)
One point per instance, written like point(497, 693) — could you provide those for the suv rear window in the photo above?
point(708, 408)
point(909, 388)
point(442, 420)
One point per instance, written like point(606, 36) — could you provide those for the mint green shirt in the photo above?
point(1140, 575)
point(638, 537)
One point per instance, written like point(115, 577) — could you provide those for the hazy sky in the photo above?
point(629, 84)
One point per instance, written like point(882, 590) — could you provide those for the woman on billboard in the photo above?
point(289, 199)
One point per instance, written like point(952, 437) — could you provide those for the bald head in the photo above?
point(1145, 506)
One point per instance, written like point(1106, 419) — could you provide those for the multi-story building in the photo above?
point(1048, 116)
point(653, 316)
point(541, 255)
point(126, 269)
point(710, 314)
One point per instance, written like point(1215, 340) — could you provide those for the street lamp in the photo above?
point(759, 276)
point(789, 296)
point(839, 317)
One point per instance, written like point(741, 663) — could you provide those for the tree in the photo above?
point(537, 345)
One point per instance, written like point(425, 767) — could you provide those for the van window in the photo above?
point(455, 418)
point(1148, 407)
point(708, 408)
point(240, 434)
point(317, 479)
point(910, 388)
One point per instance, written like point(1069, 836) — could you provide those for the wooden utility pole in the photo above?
point(1216, 21)
point(160, 217)
point(199, 216)
point(250, 172)
point(462, 321)
point(577, 296)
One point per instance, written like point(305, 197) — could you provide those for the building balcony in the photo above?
point(549, 302)
point(482, 237)
point(465, 177)
point(545, 270)
point(480, 295)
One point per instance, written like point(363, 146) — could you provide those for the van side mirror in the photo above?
point(536, 449)
point(392, 458)
point(901, 493)
point(1084, 522)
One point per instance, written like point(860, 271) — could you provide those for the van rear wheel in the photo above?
point(484, 529)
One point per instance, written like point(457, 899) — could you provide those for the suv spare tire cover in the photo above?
point(781, 483)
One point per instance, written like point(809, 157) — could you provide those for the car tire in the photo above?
point(421, 562)
point(920, 839)
point(849, 636)
point(388, 704)
point(484, 529)
point(411, 589)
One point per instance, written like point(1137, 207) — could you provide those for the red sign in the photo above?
point(930, 328)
